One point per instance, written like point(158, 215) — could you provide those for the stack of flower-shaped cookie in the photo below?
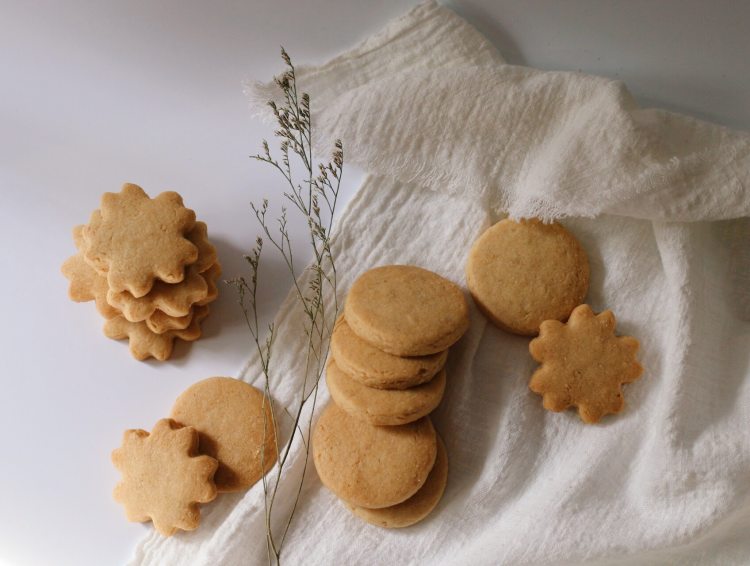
point(374, 446)
point(150, 268)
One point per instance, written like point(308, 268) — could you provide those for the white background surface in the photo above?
point(93, 94)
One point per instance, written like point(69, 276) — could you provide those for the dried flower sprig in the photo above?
point(314, 199)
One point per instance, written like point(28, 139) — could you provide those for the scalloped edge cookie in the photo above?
point(163, 477)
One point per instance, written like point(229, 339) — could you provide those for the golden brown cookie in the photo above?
point(406, 310)
point(383, 407)
point(583, 364)
point(160, 322)
point(419, 505)
point(211, 275)
point(135, 240)
point(87, 285)
point(163, 477)
point(144, 343)
point(376, 368)
point(206, 251)
point(523, 273)
point(172, 299)
point(372, 466)
point(236, 427)
point(78, 240)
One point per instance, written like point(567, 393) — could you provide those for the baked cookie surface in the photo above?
point(160, 322)
point(135, 240)
point(87, 285)
point(419, 505)
point(406, 310)
point(211, 276)
point(144, 343)
point(375, 368)
point(583, 364)
point(174, 299)
point(163, 477)
point(383, 407)
point(523, 273)
point(198, 236)
point(236, 427)
point(372, 466)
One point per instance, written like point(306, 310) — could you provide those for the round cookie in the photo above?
point(235, 425)
point(406, 310)
point(372, 466)
point(383, 407)
point(523, 273)
point(419, 505)
point(375, 368)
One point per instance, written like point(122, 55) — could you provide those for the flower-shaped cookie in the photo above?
point(144, 343)
point(85, 283)
point(163, 478)
point(172, 299)
point(206, 250)
point(176, 300)
point(583, 364)
point(135, 240)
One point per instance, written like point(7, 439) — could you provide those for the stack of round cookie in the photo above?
point(375, 446)
point(150, 268)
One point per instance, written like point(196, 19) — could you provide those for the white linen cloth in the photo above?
point(453, 138)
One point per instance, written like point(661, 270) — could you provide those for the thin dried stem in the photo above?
point(314, 202)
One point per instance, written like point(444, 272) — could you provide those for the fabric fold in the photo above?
point(452, 116)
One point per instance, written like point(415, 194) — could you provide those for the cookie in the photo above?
point(383, 407)
point(406, 310)
point(163, 477)
point(206, 250)
point(372, 466)
point(172, 299)
point(144, 343)
point(211, 275)
point(523, 273)
point(583, 364)
point(236, 427)
point(135, 240)
point(419, 505)
point(160, 322)
point(376, 368)
point(87, 285)
point(78, 240)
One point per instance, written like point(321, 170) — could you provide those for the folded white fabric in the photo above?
point(427, 101)
point(453, 137)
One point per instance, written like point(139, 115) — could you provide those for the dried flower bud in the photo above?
point(285, 56)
